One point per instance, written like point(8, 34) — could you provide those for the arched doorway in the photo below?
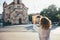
point(20, 21)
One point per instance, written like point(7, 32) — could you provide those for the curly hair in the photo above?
point(45, 23)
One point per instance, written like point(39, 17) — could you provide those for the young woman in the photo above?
point(44, 29)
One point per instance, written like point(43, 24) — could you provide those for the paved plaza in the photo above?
point(24, 33)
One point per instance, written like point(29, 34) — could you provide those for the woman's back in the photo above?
point(45, 25)
point(44, 34)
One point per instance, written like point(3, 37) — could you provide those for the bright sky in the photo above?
point(35, 6)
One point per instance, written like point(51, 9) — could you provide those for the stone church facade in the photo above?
point(15, 12)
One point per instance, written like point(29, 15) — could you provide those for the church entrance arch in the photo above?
point(20, 21)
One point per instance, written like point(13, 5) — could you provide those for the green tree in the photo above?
point(51, 12)
point(30, 17)
point(58, 15)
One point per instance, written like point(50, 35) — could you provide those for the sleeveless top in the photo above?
point(43, 34)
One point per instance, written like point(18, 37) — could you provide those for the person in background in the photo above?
point(44, 29)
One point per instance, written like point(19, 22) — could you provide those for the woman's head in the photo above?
point(45, 23)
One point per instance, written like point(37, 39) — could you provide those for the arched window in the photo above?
point(18, 1)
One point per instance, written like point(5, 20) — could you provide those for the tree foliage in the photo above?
point(52, 12)
point(30, 17)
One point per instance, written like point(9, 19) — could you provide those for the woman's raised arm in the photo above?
point(36, 28)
